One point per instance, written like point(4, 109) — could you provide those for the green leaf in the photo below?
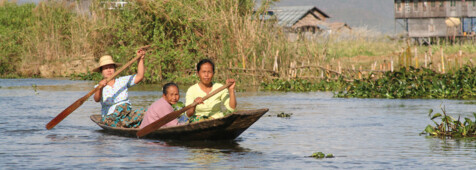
point(429, 112)
point(436, 115)
point(429, 129)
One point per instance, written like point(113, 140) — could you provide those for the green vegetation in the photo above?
point(35, 88)
point(86, 76)
point(320, 155)
point(13, 20)
point(416, 83)
point(301, 85)
point(284, 115)
point(182, 32)
point(405, 83)
point(469, 102)
point(450, 127)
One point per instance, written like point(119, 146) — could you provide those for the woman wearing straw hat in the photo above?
point(116, 108)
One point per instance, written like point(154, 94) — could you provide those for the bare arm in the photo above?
point(140, 66)
point(98, 94)
point(231, 91)
point(191, 111)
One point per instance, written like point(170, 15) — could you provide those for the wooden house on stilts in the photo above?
point(427, 20)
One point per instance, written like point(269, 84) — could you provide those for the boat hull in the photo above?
point(225, 128)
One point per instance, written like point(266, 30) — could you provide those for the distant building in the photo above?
point(297, 18)
point(302, 21)
point(300, 18)
point(426, 19)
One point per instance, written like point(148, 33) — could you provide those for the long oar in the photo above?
point(173, 115)
point(80, 101)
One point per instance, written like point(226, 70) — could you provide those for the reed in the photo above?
point(181, 32)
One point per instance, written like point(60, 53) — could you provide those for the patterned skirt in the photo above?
point(196, 118)
point(123, 116)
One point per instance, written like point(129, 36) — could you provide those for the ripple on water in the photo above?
point(360, 133)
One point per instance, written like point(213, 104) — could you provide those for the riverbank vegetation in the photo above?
point(450, 127)
point(54, 39)
point(416, 83)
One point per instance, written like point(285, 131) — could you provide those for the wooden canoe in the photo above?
point(225, 128)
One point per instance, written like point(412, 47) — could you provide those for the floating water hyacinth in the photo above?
point(450, 127)
point(320, 155)
point(416, 83)
point(35, 87)
point(282, 114)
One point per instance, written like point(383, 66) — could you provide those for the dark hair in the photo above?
point(203, 61)
point(166, 86)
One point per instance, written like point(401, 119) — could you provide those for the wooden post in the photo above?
point(254, 68)
point(360, 72)
point(426, 60)
point(275, 66)
point(416, 57)
point(262, 61)
point(442, 61)
point(460, 59)
point(339, 68)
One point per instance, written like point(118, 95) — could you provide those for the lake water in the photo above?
point(360, 133)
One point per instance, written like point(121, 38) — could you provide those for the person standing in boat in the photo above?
point(165, 105)
point(210, 108)
point(116, 108)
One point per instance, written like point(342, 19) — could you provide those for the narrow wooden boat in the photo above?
point(225, 128)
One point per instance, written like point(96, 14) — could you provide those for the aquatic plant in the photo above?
point(320, 155)
point(469, 102)
point(449, 126)
point(285, 115)
point(301, 85)
point(416, 83)
point(35, 87)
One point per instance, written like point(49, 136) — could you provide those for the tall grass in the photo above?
point(181, 33)
point(13, 19)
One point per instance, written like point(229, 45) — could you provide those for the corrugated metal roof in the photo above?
point(288, 15)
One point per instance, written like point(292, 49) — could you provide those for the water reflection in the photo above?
point(207, 153)
point(226, 146)
point(449, 144)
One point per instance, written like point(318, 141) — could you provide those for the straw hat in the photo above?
point(105, 60)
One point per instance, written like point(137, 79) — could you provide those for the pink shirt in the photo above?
point(158, 109)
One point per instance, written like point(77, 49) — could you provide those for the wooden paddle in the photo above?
point(173, 115)
point(80, 101)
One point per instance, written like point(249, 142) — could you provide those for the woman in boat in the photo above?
point(163, 106)
point(116, 108)
point(210, 108)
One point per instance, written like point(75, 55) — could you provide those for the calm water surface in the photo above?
point(361, 133)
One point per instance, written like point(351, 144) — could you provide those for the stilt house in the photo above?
point(427, 19)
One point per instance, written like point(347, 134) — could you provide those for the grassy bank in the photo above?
point(55, 36)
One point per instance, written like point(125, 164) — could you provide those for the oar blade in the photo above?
point(65, 113)
point(161, 122)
